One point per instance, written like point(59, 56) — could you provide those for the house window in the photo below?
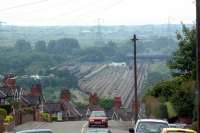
point(2, 101)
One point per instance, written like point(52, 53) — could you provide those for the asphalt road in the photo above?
point(73, 126)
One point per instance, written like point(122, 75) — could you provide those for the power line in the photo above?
point(23, 5)
point(103, 9)
point(91, 11)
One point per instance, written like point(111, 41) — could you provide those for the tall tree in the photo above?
point(183, 61)
point(22, 45)
point(40, 46)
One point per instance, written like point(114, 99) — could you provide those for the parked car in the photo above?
point(149, 126)
point(36, 131)
point(177, 125)
point(177, 130)
point(98, 118)
point(98, 130)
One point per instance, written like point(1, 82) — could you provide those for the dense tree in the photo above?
point(51, 46)
point(179, 91)
point(183, 99)
point(106, 103)
point(184, 59)
point(40, 46)
point(92, 54)
point(22, 45)
point(64, 45)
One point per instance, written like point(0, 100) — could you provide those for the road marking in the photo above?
point(83, 127)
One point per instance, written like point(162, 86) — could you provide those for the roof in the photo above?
point(52, 107)
point(6, 91)
point(35, 131)
point(9, 92)
point(2, 94)
point(152, 120)
point(70, 107)
point(95, 108)
point(31, 100)
point(180, 130)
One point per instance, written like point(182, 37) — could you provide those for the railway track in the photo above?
point(110, 81)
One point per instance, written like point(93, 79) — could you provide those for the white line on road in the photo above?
point(83, 127)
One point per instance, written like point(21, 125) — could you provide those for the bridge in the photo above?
point(150, 57)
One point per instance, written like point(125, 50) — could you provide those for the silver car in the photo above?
point(36, 131)
point(149, 126)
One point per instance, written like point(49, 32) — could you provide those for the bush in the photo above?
point(45, 116)
point(152, 106)
point(163, 111)
point(54, 118)
point(3, 113)
point(106, 103)
point(9, 118)
point(8, 108)
point(194, 126)
point(28, 110)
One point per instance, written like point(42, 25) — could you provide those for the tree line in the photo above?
point(175, 97)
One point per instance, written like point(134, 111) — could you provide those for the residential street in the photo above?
point(73, 126)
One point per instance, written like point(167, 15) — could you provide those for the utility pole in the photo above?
point(134, 39)
point(198, 61)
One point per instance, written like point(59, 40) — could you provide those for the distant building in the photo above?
point(118, 64)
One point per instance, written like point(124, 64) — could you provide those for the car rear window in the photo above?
point(178, 132)
point(38, 132)
point(153, 127)
point(98, 114)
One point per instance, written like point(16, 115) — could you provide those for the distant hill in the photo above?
point(86, 35)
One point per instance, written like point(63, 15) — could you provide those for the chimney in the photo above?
point(9, 80)
point(36, 90)
point(117, 103)
point(65, 95)
point(93, 99)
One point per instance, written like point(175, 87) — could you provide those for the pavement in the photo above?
point(73, 126)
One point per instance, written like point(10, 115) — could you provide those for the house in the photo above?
point(33, 100)
point(118, 64)
point(54, 109)
point(69, 109)
point(70, 112)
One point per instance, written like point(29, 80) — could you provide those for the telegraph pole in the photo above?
point(198, 61)
point(134, 39)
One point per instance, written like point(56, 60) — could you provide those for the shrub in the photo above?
point(152, 106)
point(106, 103)
point(9, 118)
point(194, 126)
point(45, 116)
point(28, 110)
point(54, 118)
point(3, 113)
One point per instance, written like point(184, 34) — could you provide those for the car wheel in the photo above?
point(106, 125)
point(89, 125)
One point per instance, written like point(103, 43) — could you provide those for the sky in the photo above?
point(93, 12)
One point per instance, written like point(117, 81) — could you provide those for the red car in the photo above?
point(98, 118)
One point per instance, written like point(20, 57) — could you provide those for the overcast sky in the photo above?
point(89, 12)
